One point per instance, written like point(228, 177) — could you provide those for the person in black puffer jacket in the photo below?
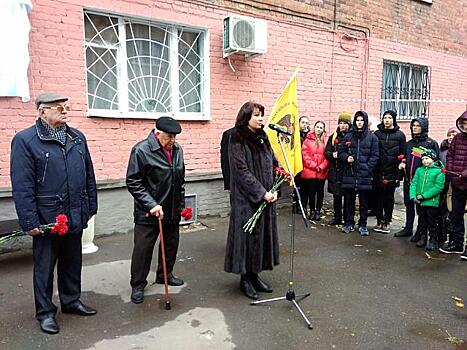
point(336, 168)
point(392, 145)
point(413, 156)
point(359, 150)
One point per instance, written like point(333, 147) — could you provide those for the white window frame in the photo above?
point(172, 29)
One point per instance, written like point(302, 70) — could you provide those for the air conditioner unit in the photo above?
point(245, 35)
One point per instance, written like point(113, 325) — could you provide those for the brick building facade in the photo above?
point(352, 54)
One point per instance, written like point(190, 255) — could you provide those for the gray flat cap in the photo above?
point(49, 97)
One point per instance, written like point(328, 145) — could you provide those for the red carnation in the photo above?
point(400, 156)
point(187, 213)
point(443, 170)
point(348, 143)
point(385, 182)
point(60, 226)
point(59, 229)
point(336, 141)
point(61, 219)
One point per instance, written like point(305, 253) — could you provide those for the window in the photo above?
point(143, 69)
point(405, 89)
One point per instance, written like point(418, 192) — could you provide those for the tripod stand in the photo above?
point(290, 294)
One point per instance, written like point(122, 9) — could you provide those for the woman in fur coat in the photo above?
point(251, 178)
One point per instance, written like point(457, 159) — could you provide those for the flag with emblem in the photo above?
point(284, 114)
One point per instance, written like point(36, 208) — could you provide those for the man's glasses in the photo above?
point(60, 109)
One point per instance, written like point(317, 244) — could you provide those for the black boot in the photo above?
point(403, 233)
point(259, 285)
point(317, 216)
point(247, 288)
point(336, 221)
point(432, 245)
point(422, 242)
point(416, 237)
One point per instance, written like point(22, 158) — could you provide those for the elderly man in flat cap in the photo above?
point(156, 179)
point(52, 174)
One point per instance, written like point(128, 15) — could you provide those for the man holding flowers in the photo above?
point(53, 181)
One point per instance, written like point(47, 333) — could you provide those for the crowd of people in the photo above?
point(358, 162)
point(52, 175)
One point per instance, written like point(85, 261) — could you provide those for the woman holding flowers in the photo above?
point(251, 169)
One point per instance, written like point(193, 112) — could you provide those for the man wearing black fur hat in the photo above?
point(392, 146)
point(156, 179)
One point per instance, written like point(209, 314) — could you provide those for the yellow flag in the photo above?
point(285, 115)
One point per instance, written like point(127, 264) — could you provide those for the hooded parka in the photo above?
point(363, 147)
point(392, 144)
point(313, 158)
point(413, 147)
point(456, 158)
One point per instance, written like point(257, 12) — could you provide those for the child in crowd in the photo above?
point(427, 184)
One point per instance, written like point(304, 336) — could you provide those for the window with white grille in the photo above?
point(405, 89)
point(144, 69)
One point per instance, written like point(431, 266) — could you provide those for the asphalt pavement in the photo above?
point(376, 292)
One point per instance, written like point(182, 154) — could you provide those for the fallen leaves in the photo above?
point(458, 301)
point(454, 340)
point(429, 257)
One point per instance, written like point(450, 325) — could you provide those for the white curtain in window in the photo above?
point(14, 39)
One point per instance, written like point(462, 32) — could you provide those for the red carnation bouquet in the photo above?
point(187, 213)
point(280, 176)
point(59, 227)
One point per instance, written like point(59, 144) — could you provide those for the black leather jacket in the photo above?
point(152, 181)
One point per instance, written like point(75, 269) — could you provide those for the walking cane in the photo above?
point(164, 267)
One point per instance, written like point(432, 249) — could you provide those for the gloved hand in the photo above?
point(420, 197)
point(416, 201)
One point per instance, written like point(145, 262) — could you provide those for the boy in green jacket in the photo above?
point(427, 184)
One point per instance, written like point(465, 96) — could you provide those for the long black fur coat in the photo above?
point(251, 176)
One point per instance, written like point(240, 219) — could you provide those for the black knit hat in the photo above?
point(430, 153)
point(168, 125)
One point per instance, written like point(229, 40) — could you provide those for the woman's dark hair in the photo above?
point(320, 121)
point(303, 116)
point(245, 112)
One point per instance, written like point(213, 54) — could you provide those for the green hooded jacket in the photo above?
point(428, 182)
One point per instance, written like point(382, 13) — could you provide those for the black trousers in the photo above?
point(428, 222)
point(65, 252)
point(144, 240)
point(313, 193)
point(459, 198)
point(337, 203)
point(409, 208)
point(384, 203)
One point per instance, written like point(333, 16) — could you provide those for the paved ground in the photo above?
point(377, 292)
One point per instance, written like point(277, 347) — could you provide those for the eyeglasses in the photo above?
point(58, 108)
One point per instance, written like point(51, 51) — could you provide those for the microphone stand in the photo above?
point(290, 294)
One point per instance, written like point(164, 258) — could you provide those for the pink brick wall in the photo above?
point(333, 68)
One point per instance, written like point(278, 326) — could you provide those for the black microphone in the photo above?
point(279, 129)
